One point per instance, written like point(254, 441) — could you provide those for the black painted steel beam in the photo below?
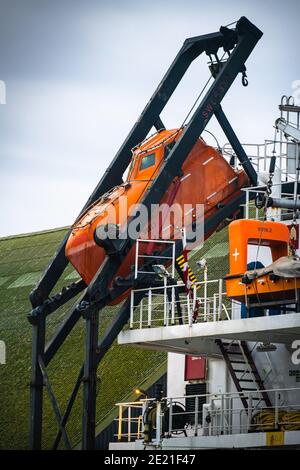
point(37, 384)
point(90, 381)
point(69, 407)
point(236, 145)
point(54, 404)
point(51, 305)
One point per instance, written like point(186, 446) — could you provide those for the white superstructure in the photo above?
point(262, 351)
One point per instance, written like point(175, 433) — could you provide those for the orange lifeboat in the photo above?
point(263, 286)
point(206, 178)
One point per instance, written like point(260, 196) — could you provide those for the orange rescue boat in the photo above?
point(206, 178)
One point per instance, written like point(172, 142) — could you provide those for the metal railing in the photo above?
point(287, 159)
point(170, 305)
point(160, 258)
point(213, 415)
point(252, 212)
point(129, 420)
point(261, 154)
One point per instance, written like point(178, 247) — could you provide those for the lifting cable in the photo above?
point(268, 193)
point(191, 109)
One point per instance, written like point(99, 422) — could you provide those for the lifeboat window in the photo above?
point(147, 161)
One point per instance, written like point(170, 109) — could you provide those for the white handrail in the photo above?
point(157, 241)
point(163, 300)
point(227, 416)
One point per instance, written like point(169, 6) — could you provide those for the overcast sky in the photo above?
point(78, 74)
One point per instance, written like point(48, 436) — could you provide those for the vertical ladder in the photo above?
point(243, 371)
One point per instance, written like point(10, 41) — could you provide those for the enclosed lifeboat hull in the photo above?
point(206, 178)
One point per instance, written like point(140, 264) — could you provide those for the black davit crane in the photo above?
point(234, 45)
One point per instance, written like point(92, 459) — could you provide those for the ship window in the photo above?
point(147, 161)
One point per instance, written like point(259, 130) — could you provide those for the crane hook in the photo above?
point(244, 78)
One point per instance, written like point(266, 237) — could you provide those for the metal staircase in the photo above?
point(243, 371)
